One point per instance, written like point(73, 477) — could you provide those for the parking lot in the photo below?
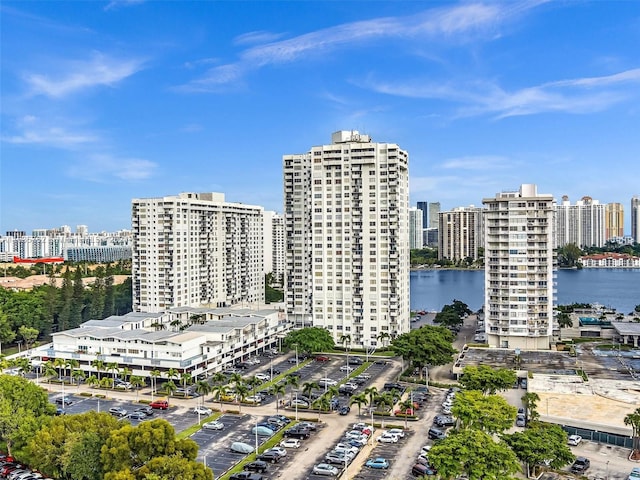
point(388, 451)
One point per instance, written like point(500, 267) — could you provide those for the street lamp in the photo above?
point(296, 405)
point(296, 355)
point(257, 436)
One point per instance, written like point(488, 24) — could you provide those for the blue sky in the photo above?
point(103, 102)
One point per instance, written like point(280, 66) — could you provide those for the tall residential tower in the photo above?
point(635, 218)
point(519, 269)
point(195, 249)
point(346, 215)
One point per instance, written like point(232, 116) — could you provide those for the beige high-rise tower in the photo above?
point(519, 269)
point(346, 209)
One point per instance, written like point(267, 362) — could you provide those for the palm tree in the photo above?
point(137, 381)
point(345, 340)
point(406, 406)
point(186, 378)
point(219, 378)
point(291, 381)
point(633, 419)
point(92, 380)
point(59, 363)
point(154, 374)
point(23, 364)
point(49, 370)
point(71, 364)
point(106, 382)
point(170, 388)
point(176, 324)
point(530, 400)
point(158, 326)
point(125, 373)
point(332, 391)
point(113, 368)
point(78, 376)
point(322, 403)
point(278, 389)
point(309, 387)
point(382, 336)
point(202, 388)
point(241, 390)
point(218, 392)
point(99, 366)
point(372, 394)
point(172, 373)
point(236, 378)
point(359, 399)
point(254, 382)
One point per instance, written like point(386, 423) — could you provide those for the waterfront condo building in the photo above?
point(194, 250)
point(614, 220)
point(635, 218)
point(582, 224)
point(519, 269)
point(460, 233)
point(415, 228)
point(278, 247)
point(346, 215)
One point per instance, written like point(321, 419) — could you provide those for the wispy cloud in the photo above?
point(99, 70)
point(579, 95)
point(483, 162)
point(115, 4)
point(252, 38)
point(105, 168)
point(31, 130)
point(458, 23)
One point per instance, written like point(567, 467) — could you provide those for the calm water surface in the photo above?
point(617, 288)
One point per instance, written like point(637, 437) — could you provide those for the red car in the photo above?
point(160, 404)
point(322, 358)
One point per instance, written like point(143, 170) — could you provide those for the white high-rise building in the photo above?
point(415, 228)
point(635, 218)
point(519, 269)
point(582, 224)
point(278, 249)
point(460, 233)
point(346, 210)
point(267, 231)
point(195, 249)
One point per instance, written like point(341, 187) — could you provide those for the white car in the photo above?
point(290, 443)
point(346, 368)
point(574, 440)
point(202, 411)
point(346, 446)
point(265, 377)
point(325, 469)
point(253, 399)
point(215, 425)
point(363, 426)
point(425, 450)
point(327, 382)
point(387, 437)
point(281, 452)
point(398, 432)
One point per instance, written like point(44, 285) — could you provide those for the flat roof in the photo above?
point(626, 328)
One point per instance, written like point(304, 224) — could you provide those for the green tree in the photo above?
point(174, 467)
point(64, 317)
point(7, 334)
point(541, 442)
point(154, 374)
point(425, 346)
point(569, 256)
point(530, 401)
point(633, 419)
point(242, 392)
point(487, 379)
point(219, 391)
point(292, 382)
point(322, 403)
point(359, 399)
point(564, 320)
point(278, 389)
point(170, 388)
point(99, 365)
point(473, 453)
point(202, 389)
point(309, 387)
point(109, 297)
point(77, 299)
point(96, 307)
point(28, 334)
point(310, 340)
point(137, 382)
point(490, 413)
point(114, 368)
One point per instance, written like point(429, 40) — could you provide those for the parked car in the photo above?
point(580, 465)
point(300, 403)
point(398, 432)
point(635, 474)
point(159, 404)
point(574, 440)
point(419, 470)
point(310, 425)
point(346, 446)
point(325, 469)
point(346, 368)
point(148, 411)
point(355, 361)
point(256, 466)
point(136, 415)
point(521, 421)
point(240, 447)
point(363, 427)
point(281, 452)
point(436, 434)
point(265, 377)
point(255, 399)
point(297, 432)
point(327, 382)
point(290, 443)
point(336, 458)
point(378, 463)
point(323, 358)
point(262, 431)
point(523, 383)
point(344, 410)
point(64, 401)
point(246, 476)
point(444, 421)
point(118, 411)
point(202, 411)
point(269, 457)
point(215, 425)
point(387, 437)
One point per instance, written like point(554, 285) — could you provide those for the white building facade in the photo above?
point(278, 250)
point(415, 228)
point(582, 224)
point(519, 269)
point(460, 233)
point(635, 218)
point(195, 249)
point(346, 215)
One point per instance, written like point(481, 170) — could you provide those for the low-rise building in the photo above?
point(610, 260)
point(197, 341)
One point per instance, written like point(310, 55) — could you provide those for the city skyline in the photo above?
point(104, 102)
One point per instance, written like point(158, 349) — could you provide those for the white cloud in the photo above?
point(32, 130)
point(483, 162)
point(257, 37)
point(114, 4)
point(105, 168)
point(457, 23)
point(100, 70)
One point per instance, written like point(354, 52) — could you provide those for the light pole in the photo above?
point(256, 437)
point(606, 476)
point(296, 405)
point(271, 360)
point(371, 410)
point(296, 355)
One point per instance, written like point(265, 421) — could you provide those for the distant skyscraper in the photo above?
point(424, 207)
point(635, 218)
point(519, 269)
point(278, 247)
point(460, 233)
point(582, 224)
point(434, 209)
point(195, 249)
point(415, 228)
point(346, 208)
point(614, 220)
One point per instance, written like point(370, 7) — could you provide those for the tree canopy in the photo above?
point(487, 379)
point(427, 345)
point(310, 340)
point(490, 413)
point(474, 453)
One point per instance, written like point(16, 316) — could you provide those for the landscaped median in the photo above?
point(194, 428)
